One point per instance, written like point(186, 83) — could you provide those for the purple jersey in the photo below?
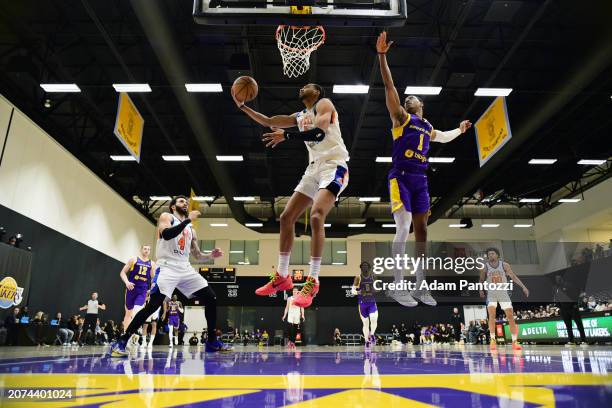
point(411, 145)
point(173, 308)
point(140, 274)
point(365, 292)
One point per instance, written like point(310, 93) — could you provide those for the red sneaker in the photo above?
point(310, 290)
point(516, 346)
point(277, 283)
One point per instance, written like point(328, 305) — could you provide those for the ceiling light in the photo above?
point(493, 92)
point(203, 198)
point(542, 161)
point(351, 89)
point(203, 88)
point(122, 158)
point(570, 200)
point(423, 90)
point(341, 252)
point(530, 200)
point(176, 158)
point(356, 225)
point(132, 87)
point(388, 225)
point(369, 199)
point(383, 159)
point(160, 198)
point(230, 158)
point(522, 225)
point(244, 198)
point(590, 162)
point(490, 225)
point(441, 159)
point(60, 87)
point(254, 224)
point(457, 225)
point(219, 224)
point(337, 263)
point(326, 225)
point(236, 252)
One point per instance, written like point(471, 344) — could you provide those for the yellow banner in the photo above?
point(492, 130)
point(129, 125)
point(193, 206)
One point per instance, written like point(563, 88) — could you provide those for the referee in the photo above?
point(566, 296)
point(91, 316)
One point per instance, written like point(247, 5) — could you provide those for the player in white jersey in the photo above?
point(323, 181)
point(176, 240)
point(294, 316)
point(495, 272)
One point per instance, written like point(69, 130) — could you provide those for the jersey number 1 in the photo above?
point(421, 136)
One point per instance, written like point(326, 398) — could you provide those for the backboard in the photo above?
point(349, 13)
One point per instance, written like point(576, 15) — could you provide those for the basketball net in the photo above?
point(296, 44)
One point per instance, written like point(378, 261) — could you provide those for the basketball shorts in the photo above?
point(501, 297)
point(135, 298)
point(367, 308)
point(181, 276)
point(408, 190)
point(173, 320)
point(154, 316)
point(331, 175)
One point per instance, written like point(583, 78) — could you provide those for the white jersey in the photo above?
point(332, 146)
point(176, 249)
point(294, 313)
point(496, 274)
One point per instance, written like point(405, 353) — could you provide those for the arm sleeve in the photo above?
point(173, 232)
point(445, 137)
point(314, 134)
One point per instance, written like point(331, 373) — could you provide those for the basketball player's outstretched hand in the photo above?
point(381, 43)
point(239, 104)
point(216, 253)
point(465, 125)
point(193, 215)
point(272, 139)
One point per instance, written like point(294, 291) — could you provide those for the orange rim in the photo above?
point(314, 47)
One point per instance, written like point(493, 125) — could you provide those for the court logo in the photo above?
point(10, 293)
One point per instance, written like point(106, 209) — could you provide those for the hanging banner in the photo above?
point(129, 125)
point(492, 130)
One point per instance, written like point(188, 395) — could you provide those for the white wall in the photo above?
point(43, 181)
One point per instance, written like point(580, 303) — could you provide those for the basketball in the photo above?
point(245, 88)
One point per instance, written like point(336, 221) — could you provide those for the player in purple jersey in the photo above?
point(172, 309)
point(408, 187)
point(363, 287)
point(137, 274)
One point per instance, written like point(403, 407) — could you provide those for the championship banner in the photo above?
point(492, 130)
point(129, 125)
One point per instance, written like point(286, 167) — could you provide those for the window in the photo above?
point(244, 253)
point(334, 253)
point(206, 246)
point(520, 252)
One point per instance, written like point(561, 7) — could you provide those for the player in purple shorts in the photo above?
point(172, 308)
point(363, 287)
point(408, 187)
point(137, 275)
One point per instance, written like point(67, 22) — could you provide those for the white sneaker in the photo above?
point(171, 345)
point(424, 296)
point(403, 297)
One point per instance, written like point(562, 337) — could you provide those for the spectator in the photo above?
point(100, 335)
point(204, 336)
point(39, 322)
point(193, 341)
point(337, 337)
point(181, 333)
point(24, 313)
point(472, 331)
point(403, 333)
point(599, 251)
point(10, 323)
point(395, 333)
point(65, 334)
point(12, 241)
point(73, 325)
point(592, 304)
point(265, 337)
point(456, 321)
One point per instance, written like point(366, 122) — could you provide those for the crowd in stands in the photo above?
point(591, 252)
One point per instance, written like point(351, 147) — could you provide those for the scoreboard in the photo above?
point(218, 275)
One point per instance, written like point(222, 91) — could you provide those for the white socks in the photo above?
point(315, 267)
point(283, 263)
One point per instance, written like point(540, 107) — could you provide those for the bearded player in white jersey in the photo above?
point(176, 241)
point(323, 181)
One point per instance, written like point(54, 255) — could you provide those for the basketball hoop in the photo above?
point(295, 44)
